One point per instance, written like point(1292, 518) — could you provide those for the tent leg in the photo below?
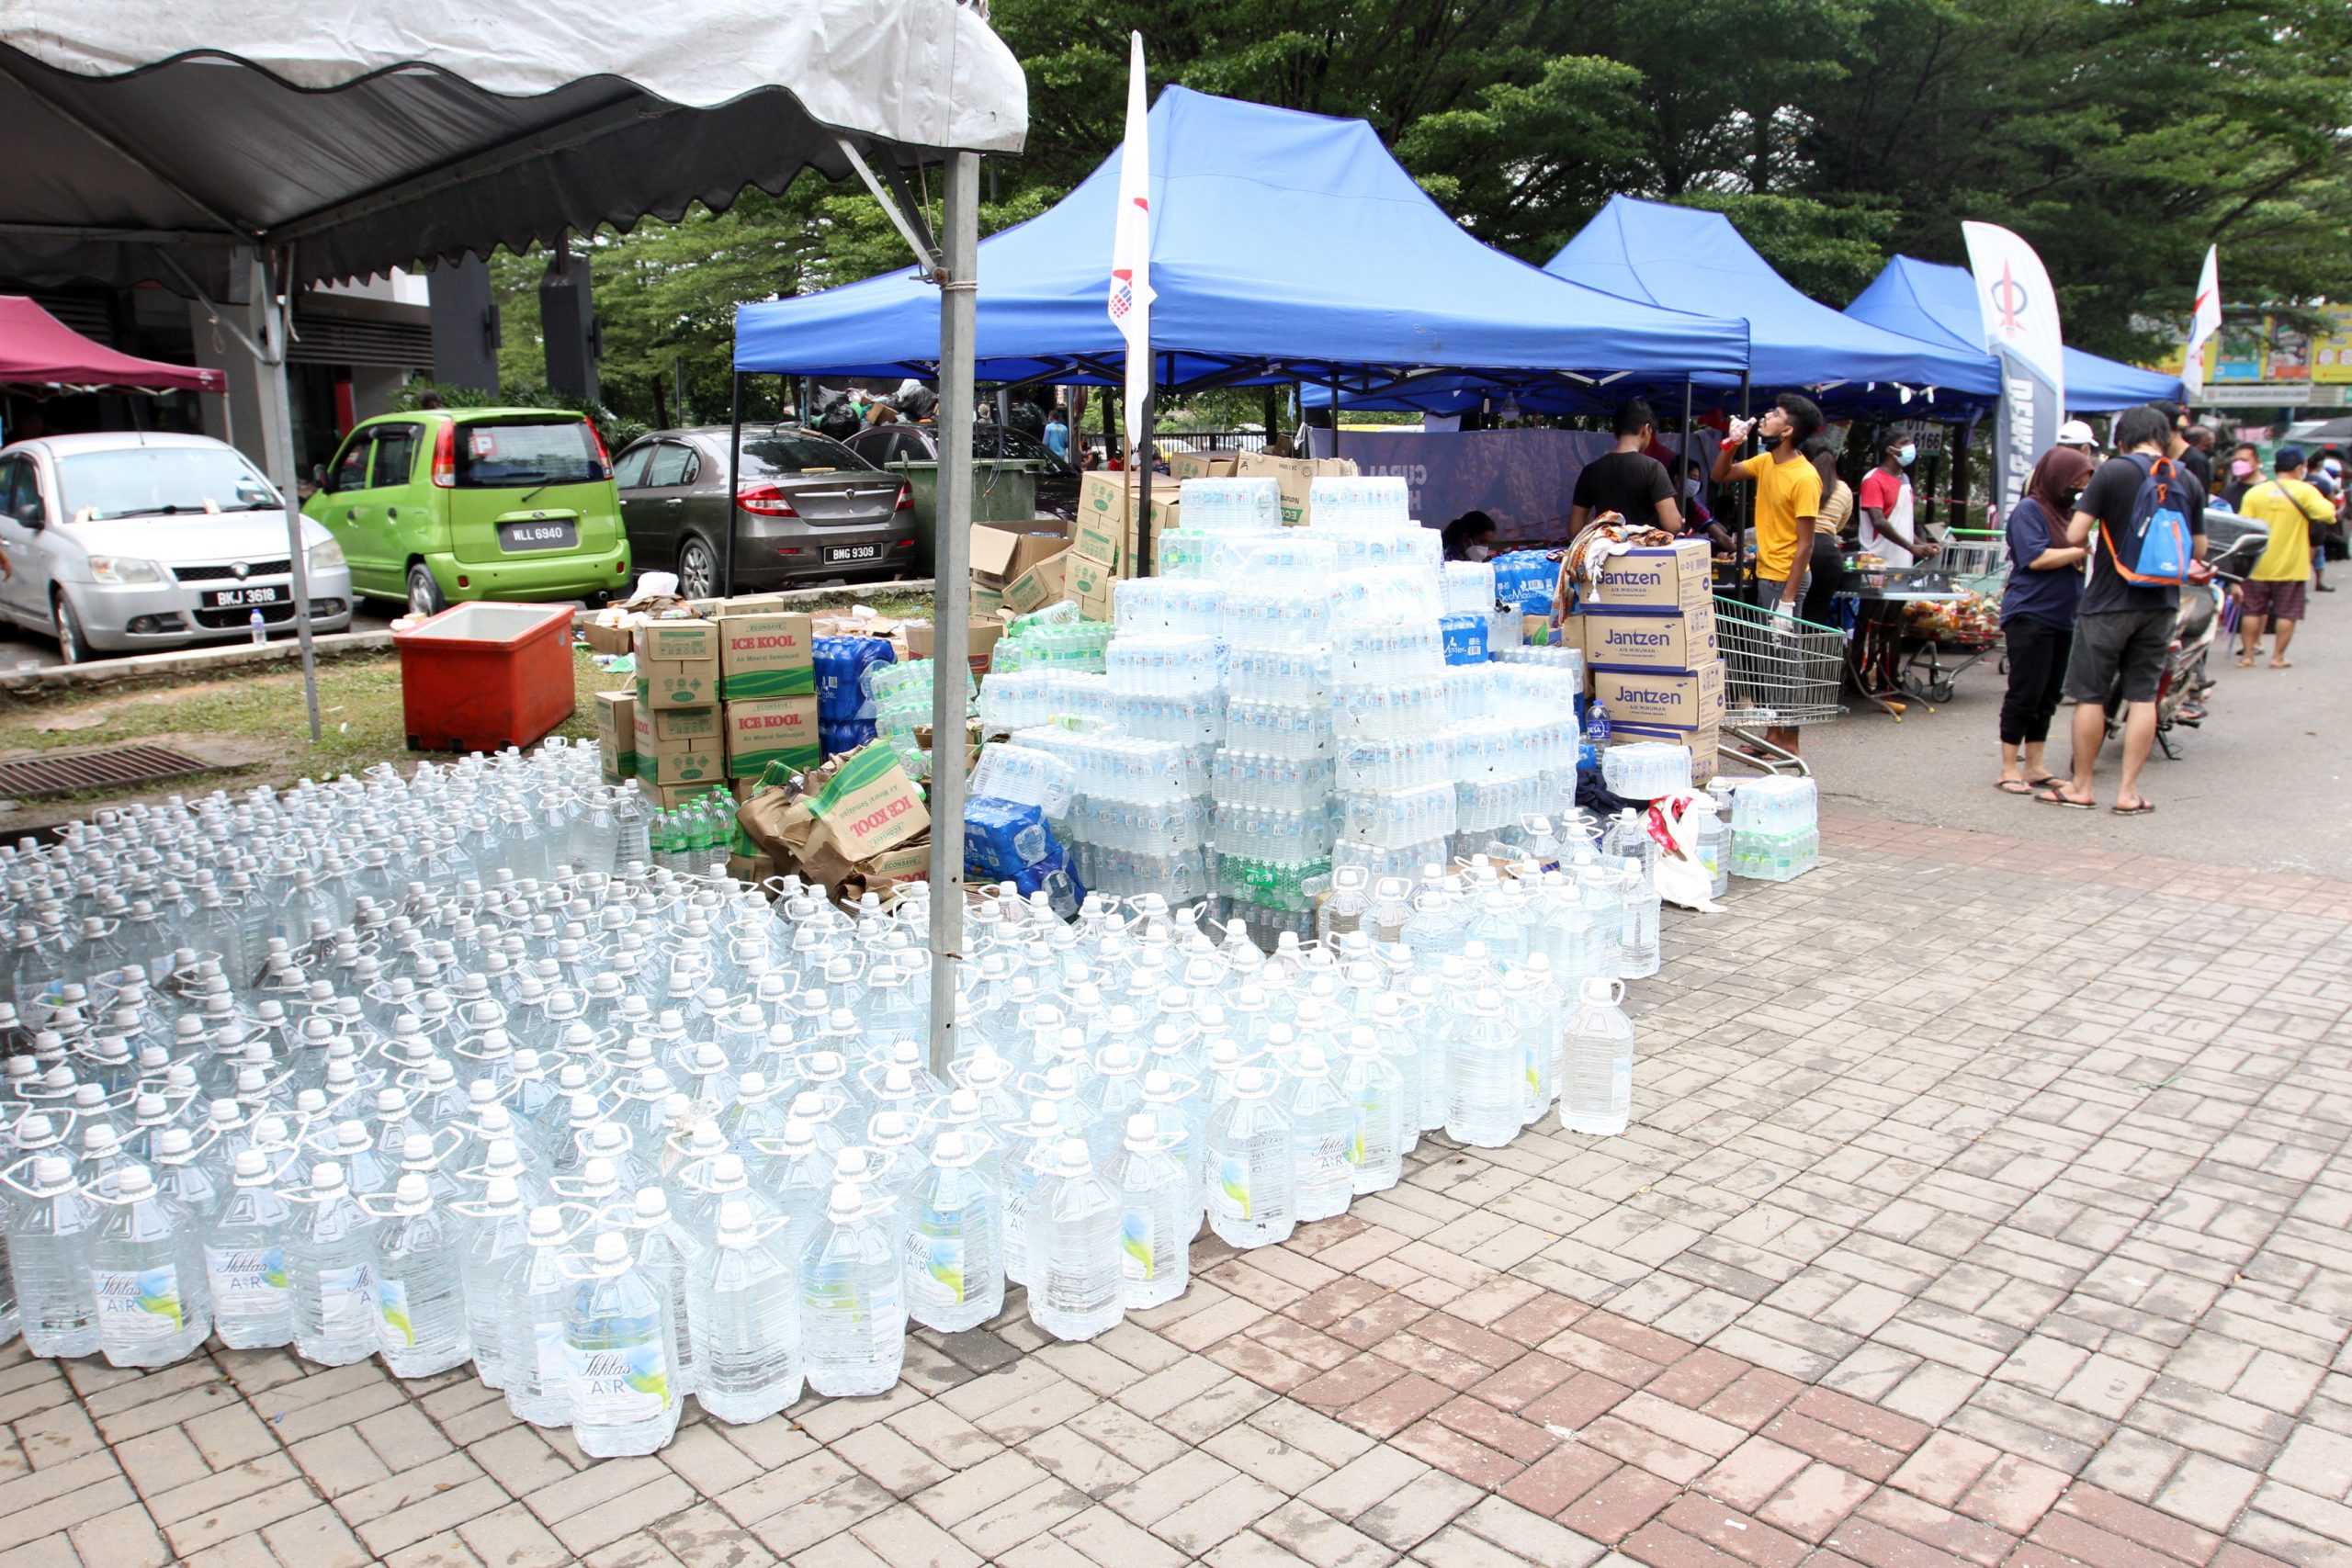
point(262, 283)
point(734, 472)
point(951, 599)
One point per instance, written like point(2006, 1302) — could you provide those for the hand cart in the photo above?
point(1779, 673)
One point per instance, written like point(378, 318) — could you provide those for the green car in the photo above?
point(447, 505)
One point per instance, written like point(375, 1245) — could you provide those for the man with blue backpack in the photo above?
point(2142, 518)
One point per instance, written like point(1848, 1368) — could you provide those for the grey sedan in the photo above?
point(806, 509)
point(137, 542)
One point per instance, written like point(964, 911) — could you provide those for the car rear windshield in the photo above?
point(511, 457)
point(139, 481)
point(795, 452)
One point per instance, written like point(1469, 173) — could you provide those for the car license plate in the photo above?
point(538, 533)
point(238, 598)
point(842, 555)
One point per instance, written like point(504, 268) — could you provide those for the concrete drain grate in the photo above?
point(109, 767)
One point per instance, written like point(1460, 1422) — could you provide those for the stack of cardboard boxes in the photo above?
point(1018, 565)
point(718, 697)
point(1293, 475)
point(1648, 635)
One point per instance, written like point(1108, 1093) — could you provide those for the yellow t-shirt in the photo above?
point(2288, 508)
point(1784, 492)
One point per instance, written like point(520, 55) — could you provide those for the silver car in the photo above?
point(126, 542)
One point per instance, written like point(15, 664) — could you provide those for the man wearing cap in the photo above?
point(2076, 434)
point(2274, 590)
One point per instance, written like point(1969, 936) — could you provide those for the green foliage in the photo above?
point(2120, 136)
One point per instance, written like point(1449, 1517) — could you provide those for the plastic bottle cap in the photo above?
point(612, 1252)
point(735, 1218)
point(950, 1148)
point(325, 1175)
point(51, 1171)
point(416, 1147)
point(134, 1181)
point(844, 1205)
point(173, 1142)
point(848, 1165)
point(727, 1170)
point(1074, 1159)
point(1142, 1127)
point(252, 1164)
point(545, 1221)
point(598, 1172)
point(652, 1203)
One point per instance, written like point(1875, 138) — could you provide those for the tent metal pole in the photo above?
point(1686, 441)
point(952, 600)
point(734, 484)
point(1335, 416)
point(271, 323)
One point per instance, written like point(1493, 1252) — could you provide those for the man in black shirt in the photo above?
point(1627, 481)
point(2123, 629)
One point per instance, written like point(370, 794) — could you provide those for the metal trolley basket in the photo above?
point(1779, 673)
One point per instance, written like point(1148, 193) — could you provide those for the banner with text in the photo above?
point(1524, 479)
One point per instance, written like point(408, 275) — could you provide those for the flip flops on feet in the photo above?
point(2057, 796)
point(2014, 786)
point(2138, 808)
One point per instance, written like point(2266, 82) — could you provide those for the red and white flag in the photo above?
point(1130, 301)
point(2204, 321)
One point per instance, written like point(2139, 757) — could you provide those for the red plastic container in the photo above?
point(484, 675)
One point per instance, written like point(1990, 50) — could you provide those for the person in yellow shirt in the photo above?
point(1787, 500)
point(2275, 589)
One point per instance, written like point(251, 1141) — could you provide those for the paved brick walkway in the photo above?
point(1986, 1206)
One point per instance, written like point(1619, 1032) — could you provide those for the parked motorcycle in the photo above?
point(2201, 618)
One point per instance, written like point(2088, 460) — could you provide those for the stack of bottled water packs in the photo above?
point(437, 1069)
point(1775, 831)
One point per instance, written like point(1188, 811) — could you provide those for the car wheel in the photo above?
point(72, 645)
point(698, 569)
point(424, 595)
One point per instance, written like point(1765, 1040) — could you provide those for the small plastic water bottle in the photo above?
point(260, 627)
point(623, 1350)
point(746, 1305)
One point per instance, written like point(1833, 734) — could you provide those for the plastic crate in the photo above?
point(484, 675)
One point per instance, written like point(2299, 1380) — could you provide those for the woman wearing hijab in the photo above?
point(2037, 612)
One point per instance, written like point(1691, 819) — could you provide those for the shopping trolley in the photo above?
point(1779, 673)
point(1973, 567)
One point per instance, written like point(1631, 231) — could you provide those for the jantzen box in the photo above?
point(1686, 701)
point(778, 729)
point(1638, 641)
point(1664, 577)
point(768, 654)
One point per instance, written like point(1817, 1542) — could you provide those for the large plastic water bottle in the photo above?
point(330, 1269)
point(1484, 1075)
point(1320, 1125)
point(746, 1308)
point(495, 1258)
point(956, 1238)
point(1250, 1168)
point(1374, 1091)
point(852, 1301)
point(1157, 1214)
point(538, 1388)
point(670, 1256)
point(622, 1352)
point(1597, 1083)
point(244, 1260)
point(49, 1257)
point(420, 1303)
point(1074, 1268)
point(147, 1272)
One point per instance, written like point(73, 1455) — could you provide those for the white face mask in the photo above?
point(1478, 552)
point(1907, 455)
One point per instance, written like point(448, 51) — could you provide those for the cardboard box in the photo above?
point(604, 638)
point(683, 642)
point(1680, 576)
point(701, 764)
point(1002, 551)
point(771, 730)
point(1537, 631)
point(751, 868)
point(674, 727)
point(1618, 641)
point(870, 804)
point(617, 733)
point(668, 683)
point(1099, 539)
point(908, 863)
point(1109, 501)
point(1661, 701)
point(669, 795)
point(765, 654)
point(988, 602)
point(1293, 475)
point(1705, 744)
point(749, 605)
point(1040, 585)
point(1201, 465)
point(980, 641)
point(1090, 583)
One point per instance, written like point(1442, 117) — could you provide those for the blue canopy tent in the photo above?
point(1286, 246)
point(1938, 303)
point(1683, 258)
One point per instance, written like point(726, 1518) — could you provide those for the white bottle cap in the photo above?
point(252, 1165)
point(612, 1253)
point(1074, 1159)
point(844, 1205)
point(326, 1176)
point(134, 1182)
point(652, 1203)
point(51, 1171)
point(1142, 1128)
point(545, 1221)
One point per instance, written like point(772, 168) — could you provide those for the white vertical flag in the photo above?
point(2204, 321)
point(2021, 329)
point(1131, 296)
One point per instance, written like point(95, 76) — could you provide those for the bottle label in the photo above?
point(1233, 1183)
point(393, 1324)
point(1135, 1260)
point(246, 1280)
point(346, 1299)
point(939, 1258)
point(614, 1385)
point(138, 1304)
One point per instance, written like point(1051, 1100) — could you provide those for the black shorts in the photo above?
point(2130, 643)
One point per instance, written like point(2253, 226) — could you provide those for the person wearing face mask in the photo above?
point(2244, 473)
point(1788, 507)
point(2038, 607)
point(1470, 536)
point(1888, 531)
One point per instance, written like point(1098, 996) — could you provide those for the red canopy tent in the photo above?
point(37, 348)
